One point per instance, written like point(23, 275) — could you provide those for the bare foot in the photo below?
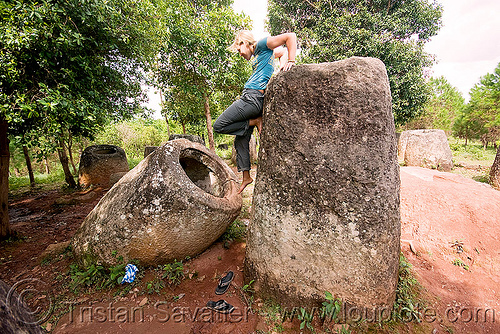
point(244, 184)
point(257, 122)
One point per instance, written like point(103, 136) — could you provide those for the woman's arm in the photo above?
point(290, 39)
point(282, 55)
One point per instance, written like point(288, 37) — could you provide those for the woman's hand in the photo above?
point(288, 65)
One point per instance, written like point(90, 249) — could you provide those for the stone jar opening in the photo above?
point(105, 151)
point(204, 172)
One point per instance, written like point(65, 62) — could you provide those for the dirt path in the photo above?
point(451, 235)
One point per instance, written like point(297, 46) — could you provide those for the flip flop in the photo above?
point(224, 283)
point(220, 306)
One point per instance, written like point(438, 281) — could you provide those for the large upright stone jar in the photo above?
point(99, 162)
point(426, 148)
point(326, 199)
point(174, 203)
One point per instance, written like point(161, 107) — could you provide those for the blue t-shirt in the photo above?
point(262, 66)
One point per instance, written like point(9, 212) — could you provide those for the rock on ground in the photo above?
point(193, 138)
point(427, 148)
point(99, 162)
point(15, 316)
point(326, 200)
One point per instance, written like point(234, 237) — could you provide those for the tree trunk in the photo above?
point(28, 165)
point(47, 166)
point(168, 125)
point(4, 180)
point(63, 158)
point(166, 116)
point(208, 117)
point(495, 172)
point(183, 127)
point(70, 146)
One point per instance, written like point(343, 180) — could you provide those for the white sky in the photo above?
point(466, 48)
point(468, 45)
point(257, 10)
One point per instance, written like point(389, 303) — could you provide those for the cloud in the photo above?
point(467, 46)
point(257, 10)
point(464, 75)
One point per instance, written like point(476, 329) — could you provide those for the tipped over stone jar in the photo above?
point(174, 204)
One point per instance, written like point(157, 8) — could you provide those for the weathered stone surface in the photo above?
point(495, 171)
point(99, 162)
point(427, 148)
point(193, 138)
point(15, 316)
point(402, 140)
point(174, 204)
point(326, 200)
point(253, 151)
point(115, 177)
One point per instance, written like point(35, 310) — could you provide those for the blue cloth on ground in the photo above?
point(130, 271)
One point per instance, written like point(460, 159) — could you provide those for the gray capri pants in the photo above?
point(234, 121)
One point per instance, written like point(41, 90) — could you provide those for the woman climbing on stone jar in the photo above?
point(244, 114)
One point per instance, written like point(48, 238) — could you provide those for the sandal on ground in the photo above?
point(220, 306)
point(224, 283)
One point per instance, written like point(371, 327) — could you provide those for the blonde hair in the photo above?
point(243, 36)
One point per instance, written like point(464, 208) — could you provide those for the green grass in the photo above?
point(95, 276)
point(460, 263)
point(236, 231)
point(472, 161)
point(224, 154)
point(407, 293)
point(133, 161)
point(474, 152)
point(406, 310)
point(271, 312)
point(55, 177)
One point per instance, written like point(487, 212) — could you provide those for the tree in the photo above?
point(393, 31)
point(466, 125)
point(485, 105)
point(445, 103)
point(195, 62)
point(66, 66)
point(482, 114)
point(4, 180)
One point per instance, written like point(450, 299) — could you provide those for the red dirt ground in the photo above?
point(451, 219)
point(438, 209)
